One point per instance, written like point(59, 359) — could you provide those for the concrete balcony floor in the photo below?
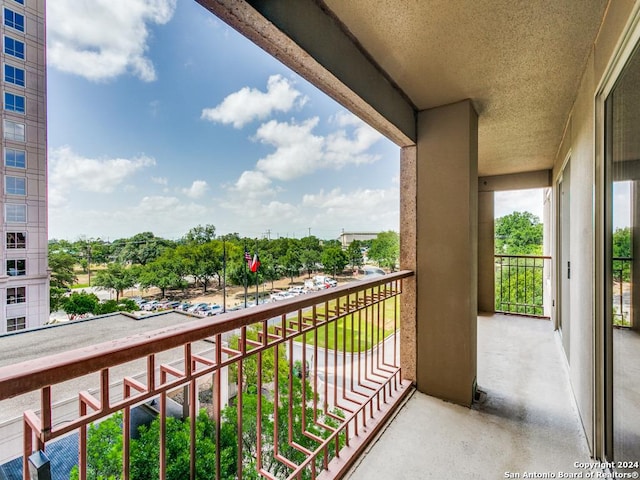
point(527, 422)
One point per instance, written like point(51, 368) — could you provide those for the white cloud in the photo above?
point(336, 201)
point(69, 171)
point(344, 149)
point(361, 209)
point(160, 180)
point(519, 201)
point(166, 216)
point(197, 189)
point(249, 104)
point(100, 40)
point(253, 184)
point(262, 215)
point(298, 152)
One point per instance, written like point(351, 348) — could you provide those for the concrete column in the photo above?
point(486, 251)
point(408, 177)
point(447, 254)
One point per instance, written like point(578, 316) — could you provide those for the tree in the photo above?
point(311, 243)
point(80, 303)
point(310, 259)
point(200, 234)
point(202, 261)
point(250, 364)
point(354, 254)
point(62, 277)
point(62, 269)
point(385, 249)
point(88, 251)
point(622, 249)
point(164, 272)
point(518, 281)
point(142, 248)
point(112, 306)
point(289, 407)
point(116, 277)
point(331, 244)
point(334, 259)
point(269, 267)
point(519, 233)
point(291, 263)
point(104, 450)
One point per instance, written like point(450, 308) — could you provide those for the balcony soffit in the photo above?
point(519, 61)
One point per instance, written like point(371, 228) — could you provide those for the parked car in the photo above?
point(149, 306)
point(281, 296)
point(197, 307)
point(214, 309)
point(297, 290)
point(330, 281)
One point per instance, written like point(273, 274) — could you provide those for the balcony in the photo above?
point(524, 421)
point(292, 389)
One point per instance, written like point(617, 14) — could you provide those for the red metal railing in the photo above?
point(314, 377)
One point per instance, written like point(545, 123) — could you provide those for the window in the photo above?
point(15, 213)
point(15, 186)
point(18, 323)
point(15, 158)
point(16, 268)
point(13, 103)
point(14, 131)
point(14, 75)
point(16, 240)
point(14, 47)
point(21, 2)
point(13, 20)
point(16, 295)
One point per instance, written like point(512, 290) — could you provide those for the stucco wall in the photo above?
point(446, 254)
point(579, 143)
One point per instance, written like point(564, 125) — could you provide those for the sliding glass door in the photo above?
point(622, 269)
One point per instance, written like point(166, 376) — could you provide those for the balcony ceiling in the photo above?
point(519, 61)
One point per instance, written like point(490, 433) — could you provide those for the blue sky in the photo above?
point(166, 118)
point(161, 117)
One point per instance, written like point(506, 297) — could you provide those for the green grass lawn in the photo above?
point(362, 331)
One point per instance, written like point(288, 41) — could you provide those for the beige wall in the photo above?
point(579, 142)
point(446, 262)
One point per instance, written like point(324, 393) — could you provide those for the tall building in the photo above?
point(24, 283)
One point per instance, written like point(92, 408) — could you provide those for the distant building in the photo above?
point(24, 281)
point(347, 237)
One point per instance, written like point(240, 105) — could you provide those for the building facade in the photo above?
point(346, 238)
point(24, 283)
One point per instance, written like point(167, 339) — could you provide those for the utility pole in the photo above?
point(309, 231)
